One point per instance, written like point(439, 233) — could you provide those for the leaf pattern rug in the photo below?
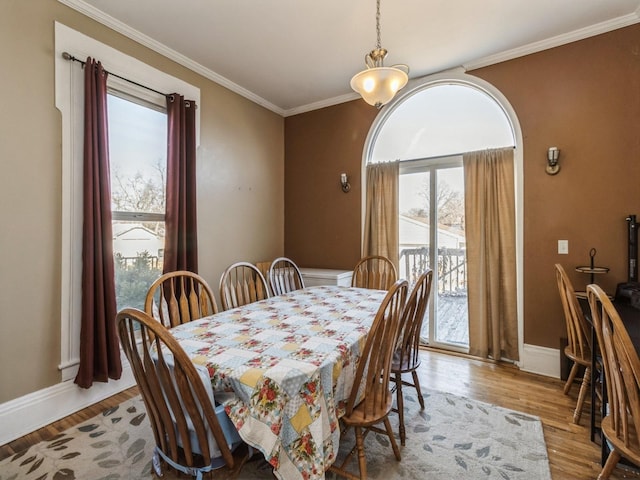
point(452, 438)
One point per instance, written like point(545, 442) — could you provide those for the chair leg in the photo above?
point(394, 445)
point(610, 465)
point(572, 377)
point(362, 461)
point(400, 404)
point(416, 383)
point(581, 396)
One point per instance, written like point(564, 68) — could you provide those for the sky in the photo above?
point(137, 137)
point(412, 184)
point(442, 120)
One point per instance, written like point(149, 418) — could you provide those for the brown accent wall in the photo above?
point(322, 223)
point(582, 97)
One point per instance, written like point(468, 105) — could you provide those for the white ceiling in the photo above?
point(297, 55)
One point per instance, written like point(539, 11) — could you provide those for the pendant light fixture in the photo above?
point(379, 84)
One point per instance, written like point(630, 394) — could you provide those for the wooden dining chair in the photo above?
point(179, 297)
point(284, 276)
point(192, 434)
point(264, 269)
point(374, 271)
point(240, 284)
point(578, 348)
point(370, 400)
point(406, 358)
point(621, 425)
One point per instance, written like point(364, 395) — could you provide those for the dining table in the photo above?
point(289, 362)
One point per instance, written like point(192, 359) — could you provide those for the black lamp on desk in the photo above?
point(633, 248)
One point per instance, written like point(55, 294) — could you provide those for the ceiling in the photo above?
point(293, 56)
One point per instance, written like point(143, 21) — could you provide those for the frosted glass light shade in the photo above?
point(379, 85)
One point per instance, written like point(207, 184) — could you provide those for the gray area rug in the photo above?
point(452, 438)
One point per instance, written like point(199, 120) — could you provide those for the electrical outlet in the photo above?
point(563, 247)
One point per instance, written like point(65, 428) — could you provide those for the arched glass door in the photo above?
point(428, 132)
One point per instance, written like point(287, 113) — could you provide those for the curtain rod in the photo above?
point(68, 56)
point(438, 157)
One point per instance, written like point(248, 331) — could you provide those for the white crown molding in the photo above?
point(133, 34)
point(97, 15)
point(556, 41)
point(329, 102)
point(535, 47)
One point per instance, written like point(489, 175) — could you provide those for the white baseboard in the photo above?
point(541, 360)
point(35, 410)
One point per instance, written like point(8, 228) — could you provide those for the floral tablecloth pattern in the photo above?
point(291, 362)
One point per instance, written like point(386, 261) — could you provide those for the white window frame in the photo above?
point(69, 92)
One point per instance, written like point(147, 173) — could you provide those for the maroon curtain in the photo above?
point(99, 350)
point(181, 243)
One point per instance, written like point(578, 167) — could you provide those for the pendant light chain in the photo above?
point(379, 44)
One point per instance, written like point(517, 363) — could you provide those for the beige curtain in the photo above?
point(491, 253)
point(381, 235)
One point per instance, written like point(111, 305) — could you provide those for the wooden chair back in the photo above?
point(578, 331)
point(240, 284)
point(284, 276)
point(186, 426)
point(375, 272)
point(264, 268)
point(179, 297)
point(371, 383)
point(408, 351)
point(622, 377)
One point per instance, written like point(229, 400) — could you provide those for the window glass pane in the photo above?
point(442, 120)
point(138, 156)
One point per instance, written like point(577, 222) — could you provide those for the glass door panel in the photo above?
point(432, 236)
point(451, 323)
point(414, 224)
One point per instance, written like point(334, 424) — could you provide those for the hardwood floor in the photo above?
point(571, 454)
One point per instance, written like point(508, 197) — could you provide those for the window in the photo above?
point(69, 100)
point(138, 157)
point(428, 129)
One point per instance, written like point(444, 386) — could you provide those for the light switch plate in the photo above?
point(563, 247)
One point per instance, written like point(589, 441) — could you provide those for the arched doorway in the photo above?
point(427, 129)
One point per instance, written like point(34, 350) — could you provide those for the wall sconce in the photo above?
point(552, 160)
point(344, 182)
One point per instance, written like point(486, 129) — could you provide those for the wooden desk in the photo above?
point(291, 361)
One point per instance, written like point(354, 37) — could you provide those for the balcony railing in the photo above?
point(150, 262)
point(452, 268)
